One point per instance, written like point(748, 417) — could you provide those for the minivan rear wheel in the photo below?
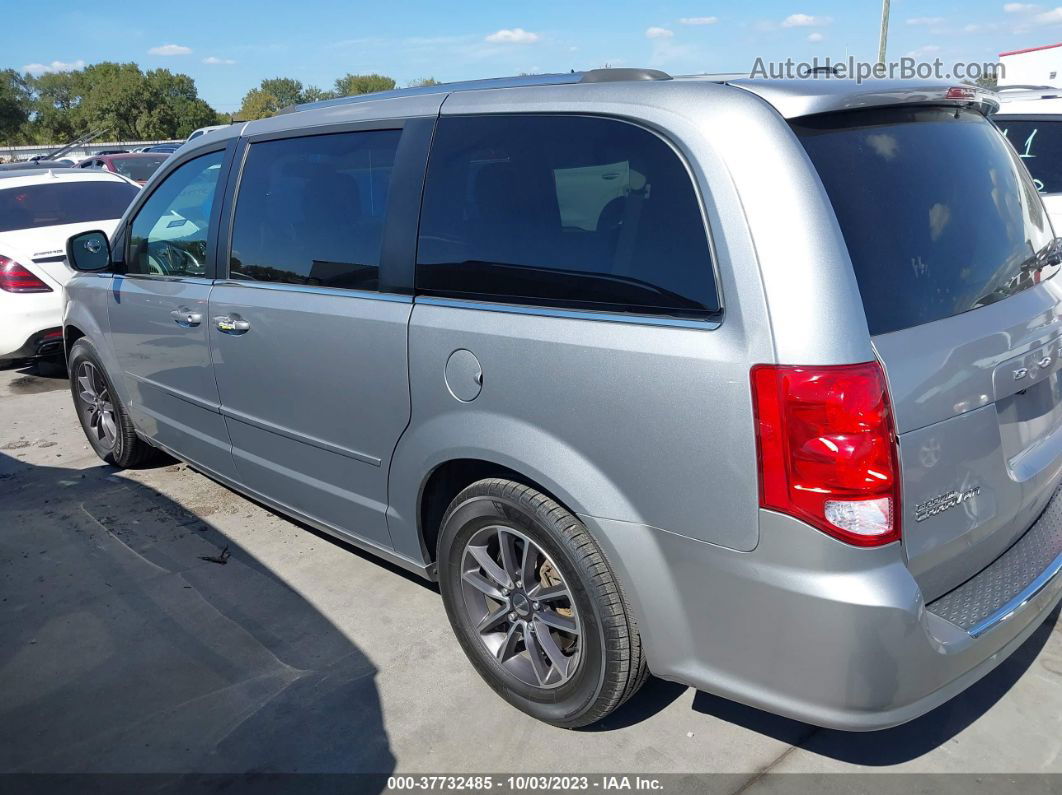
point(104, 420)
point(536, 606)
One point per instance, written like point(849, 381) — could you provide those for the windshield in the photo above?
point(32, 206)
point(138, 168)
point(937, 211)
point(1039, 144)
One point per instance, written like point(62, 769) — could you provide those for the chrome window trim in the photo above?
point(570, 314)
point(1018, 602)
point(159, 277)
point(370, 295)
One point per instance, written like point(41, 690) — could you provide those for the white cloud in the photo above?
point(925, 21)
point(1050, 17)
point(815, 37)
point(54, 66)
point(805, 21)
point(698, 20)
point(658, 33)
point(921, 52)
point(170, 49)
point(513, 36)
point(213, 59)
point(1019, 8)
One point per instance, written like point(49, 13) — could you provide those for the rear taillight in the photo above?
point(827, 449)
point(16, 279)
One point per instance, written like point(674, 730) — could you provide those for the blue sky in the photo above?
point(229, 46)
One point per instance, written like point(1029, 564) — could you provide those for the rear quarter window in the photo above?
point(938, 214)
point(564, 211)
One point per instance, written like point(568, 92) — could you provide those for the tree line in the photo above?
point(131, 104)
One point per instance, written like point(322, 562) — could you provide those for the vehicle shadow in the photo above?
point(899, 744)
point(136, 637)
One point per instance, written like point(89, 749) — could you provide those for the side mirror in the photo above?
point(89, 252)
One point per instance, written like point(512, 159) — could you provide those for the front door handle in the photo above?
point(231, 325)
point(183, 316)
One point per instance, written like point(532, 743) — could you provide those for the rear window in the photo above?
point(1039, 145)
point(138, 168)
point(32, 206)
point(938, 214)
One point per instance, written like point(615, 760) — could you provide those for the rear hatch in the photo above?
point(954, 256)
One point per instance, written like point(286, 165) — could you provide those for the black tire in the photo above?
point(127, 451)
point(610, 666)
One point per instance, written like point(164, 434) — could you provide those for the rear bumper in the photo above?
point(804, 626)
point(47, 342)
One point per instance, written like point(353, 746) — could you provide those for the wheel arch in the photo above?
point(448, 479)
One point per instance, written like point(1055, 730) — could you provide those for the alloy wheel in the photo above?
point(520, 606)
point(95, 404)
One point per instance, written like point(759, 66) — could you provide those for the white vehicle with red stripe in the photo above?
point(39, 210)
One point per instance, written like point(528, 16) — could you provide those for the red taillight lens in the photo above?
point(961, 92)
point(16, 279)
point(827, 449)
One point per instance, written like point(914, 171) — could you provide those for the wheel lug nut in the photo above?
point(537, 605)
point(512, 616)
point(506, 592)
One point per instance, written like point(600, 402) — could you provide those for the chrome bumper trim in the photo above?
point(1018, 602)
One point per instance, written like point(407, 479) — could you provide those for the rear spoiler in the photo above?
point(795, 98)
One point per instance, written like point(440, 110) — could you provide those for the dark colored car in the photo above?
point(167, 148)
point(137, 166)
point(33, 164)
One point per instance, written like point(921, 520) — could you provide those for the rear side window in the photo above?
point(938, 214)
point(1039, 145)
point(33, 206)
point(311, 210)
point(572, 212)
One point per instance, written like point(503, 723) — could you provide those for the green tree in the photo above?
point(286, 90)
point(15, 102)
point(421, 82)
point(315, 94)
point(257, 104)
point(351, 85)
point(118, 98)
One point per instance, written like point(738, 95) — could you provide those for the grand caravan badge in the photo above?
point(943, 502)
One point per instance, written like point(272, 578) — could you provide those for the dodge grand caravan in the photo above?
point(752, 385)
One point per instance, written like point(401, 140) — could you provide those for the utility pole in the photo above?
point(884, 31)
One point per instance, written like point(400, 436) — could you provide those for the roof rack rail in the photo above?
point(621, 75)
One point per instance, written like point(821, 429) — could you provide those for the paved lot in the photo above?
point(122, 649)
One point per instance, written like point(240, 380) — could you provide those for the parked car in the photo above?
point(204, 130)
point(31, 164)
point(754, 385)
point(39, 209)
point(137, 166)
point(1031, 118)
point(167, 148)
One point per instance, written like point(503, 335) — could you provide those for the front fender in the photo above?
point(85, 303)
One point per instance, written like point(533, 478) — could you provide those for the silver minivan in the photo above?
point(753, 385)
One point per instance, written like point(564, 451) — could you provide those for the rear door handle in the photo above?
point(183, 316)
point(231, 325)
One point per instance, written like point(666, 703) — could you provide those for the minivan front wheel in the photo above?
point(103, 418)
point(536, 606)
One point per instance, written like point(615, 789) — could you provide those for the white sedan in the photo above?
point(39, 210)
